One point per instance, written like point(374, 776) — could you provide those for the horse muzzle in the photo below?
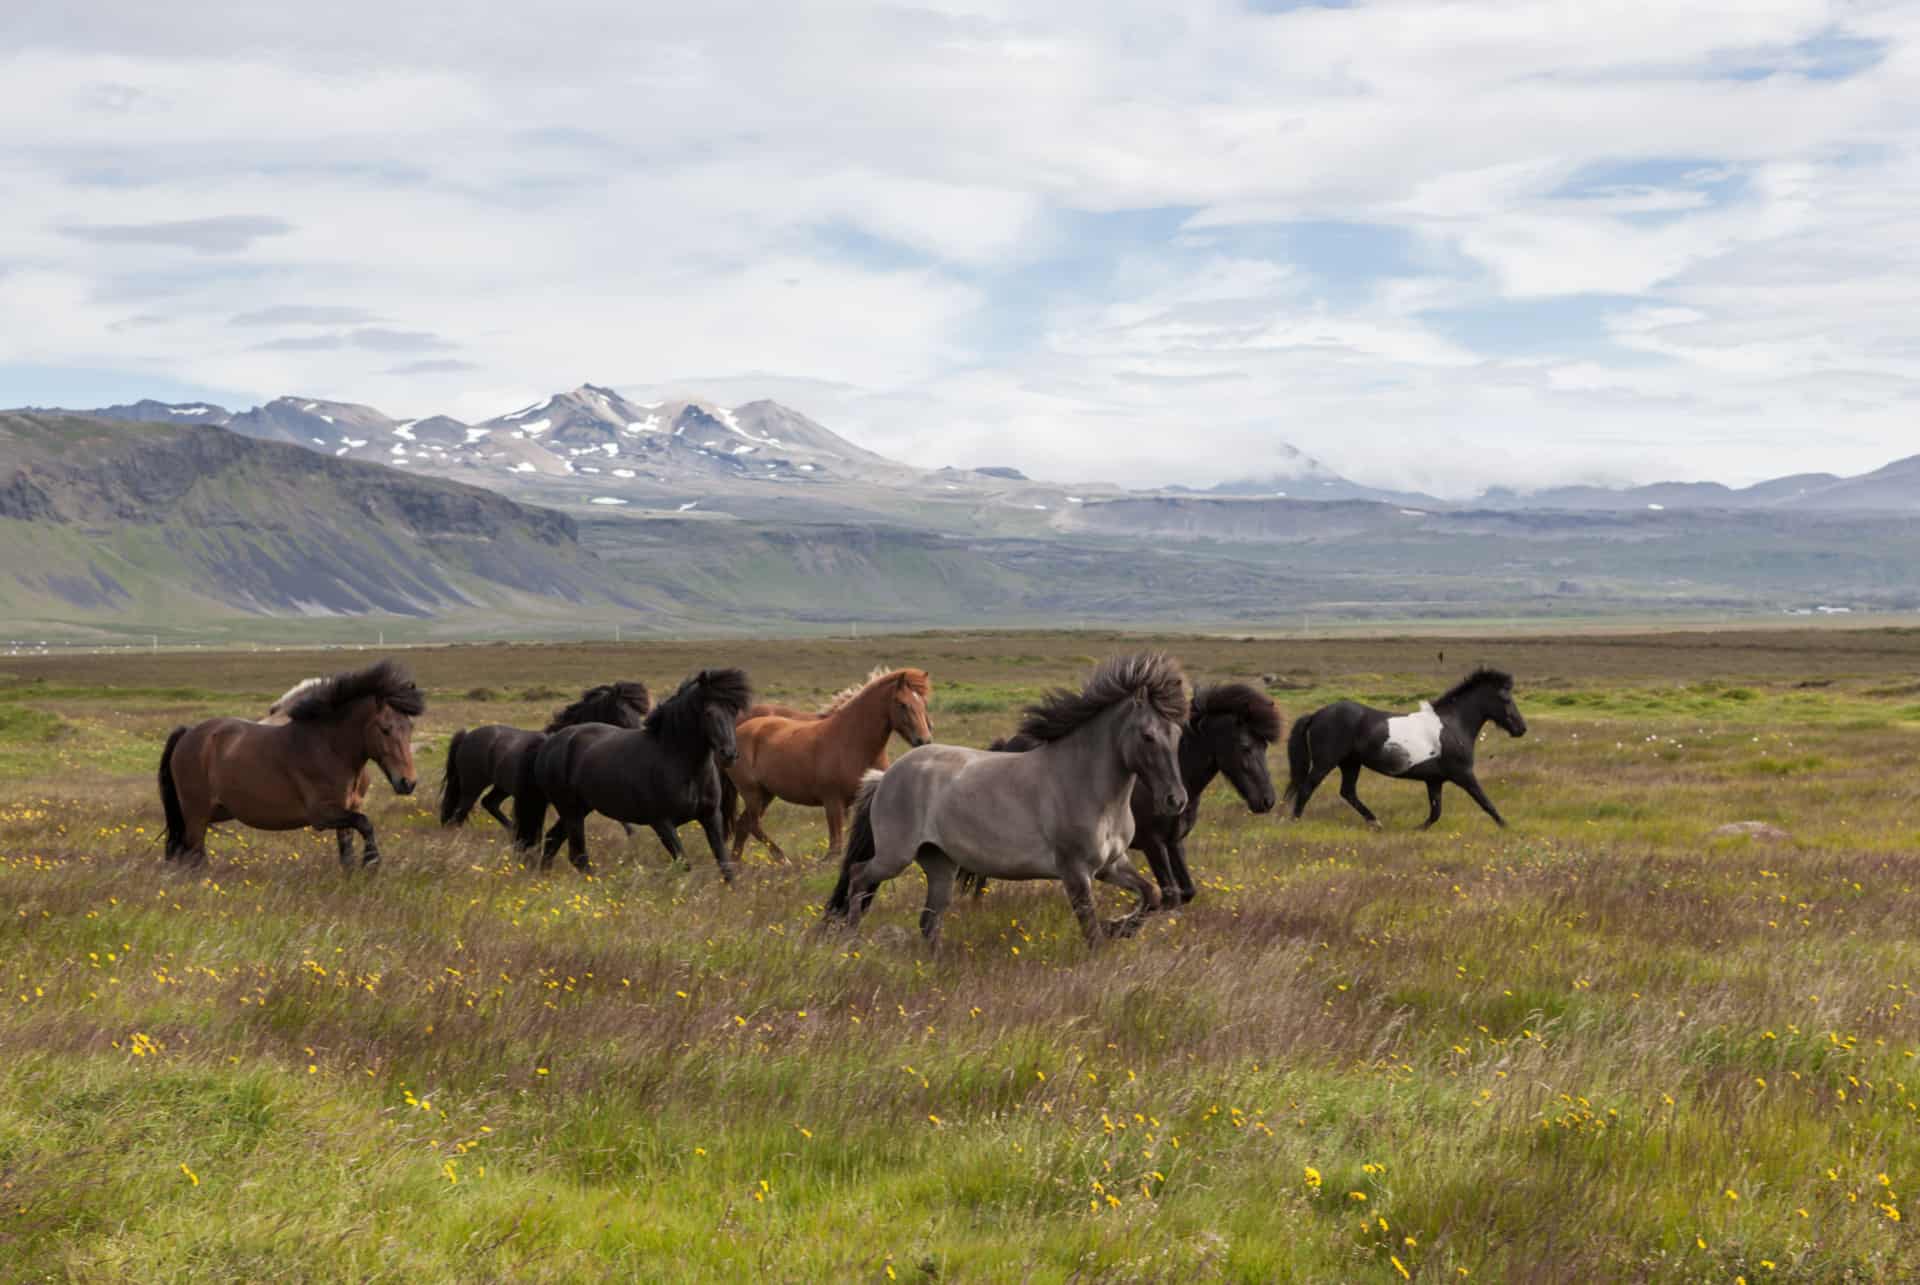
point(402, 784)
point(1262, 805)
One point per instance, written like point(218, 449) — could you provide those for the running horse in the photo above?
point(1434, 744)
point(290, 775)
point(730, 794)
point(819, 762)
point(1060, 811)
point(483, 763)
point(1228, 730)
point(661, 774)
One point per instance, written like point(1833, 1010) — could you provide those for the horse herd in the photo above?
point(1086, 777)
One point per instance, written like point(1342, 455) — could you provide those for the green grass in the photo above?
point(1546, 1053)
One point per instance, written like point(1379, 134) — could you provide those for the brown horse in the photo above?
point(730, 796)
point(277, 715)
point(818, 762)
point(285, 776)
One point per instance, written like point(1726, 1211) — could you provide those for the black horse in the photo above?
point(1228, 730)
point(662, 774)
point(483, 763)
point(1434, 744)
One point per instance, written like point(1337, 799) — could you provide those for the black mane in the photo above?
point(679, 714)
point(386, 681)
point(1484, 676)
point(622, 704)
point(1154, 674)
point(1238, 700)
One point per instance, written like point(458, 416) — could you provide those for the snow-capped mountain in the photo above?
point(594, 431)
point(335, 428)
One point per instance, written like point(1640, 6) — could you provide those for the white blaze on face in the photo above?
point(1413, 739)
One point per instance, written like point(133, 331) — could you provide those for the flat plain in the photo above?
point(1601, 1044)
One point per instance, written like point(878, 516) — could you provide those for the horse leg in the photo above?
point(1471, 784)
point(491, 801)
point(1177, 859)
point(714, 826)
point(1079, 887)
point(670, 840)
point(836, 825)
point(761, 804)
point(577, 844)
point(551, 847)
point(1433, 804)
point(1158, 857)
point(340, 820)
point(940, 870)
point(1311, 784)
point(1121, 874)
point(863, 877)
point(1349, 781)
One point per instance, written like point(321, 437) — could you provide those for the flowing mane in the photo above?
point(1238, 700)
point(1484, 676)
point(846, 694)
point(1153, 674)
point(385, 681)
point(679, 714)
point(279, 708)
point(621, 704)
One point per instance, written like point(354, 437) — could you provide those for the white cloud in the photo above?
point(979, 234)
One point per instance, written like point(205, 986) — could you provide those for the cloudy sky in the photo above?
point(1433, 244)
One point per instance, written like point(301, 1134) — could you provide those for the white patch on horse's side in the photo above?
point(1413, 739)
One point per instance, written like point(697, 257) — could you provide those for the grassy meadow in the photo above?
point(1601, 1044)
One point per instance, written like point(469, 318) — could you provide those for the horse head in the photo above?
point(908, 710)
point(1149, 745)
point(1233, 725)
point(1507, 714)
point(390, 744)
point(724, 695)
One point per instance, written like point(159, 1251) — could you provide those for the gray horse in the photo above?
point(1059, 811)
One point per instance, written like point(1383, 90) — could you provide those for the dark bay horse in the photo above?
point(818, 762)
point(357, 795)
point(1228, 731)
point(1433, 744)
point(483, 763)
point(661, 774)
point(291, 775)
point(1060, 811)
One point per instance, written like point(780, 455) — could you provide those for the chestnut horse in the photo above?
point(730, 797)
point(285, 776)
point(818, 762)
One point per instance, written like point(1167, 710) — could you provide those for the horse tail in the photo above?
point(1299, 757)
point(451, 813)
point(170, 797)
point(529, 799)
point(859, 846)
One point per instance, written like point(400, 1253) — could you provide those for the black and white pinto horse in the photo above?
point(1433, 744)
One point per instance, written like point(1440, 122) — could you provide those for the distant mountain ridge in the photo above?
point(594, 438)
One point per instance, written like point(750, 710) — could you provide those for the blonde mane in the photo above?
point(846, 694)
